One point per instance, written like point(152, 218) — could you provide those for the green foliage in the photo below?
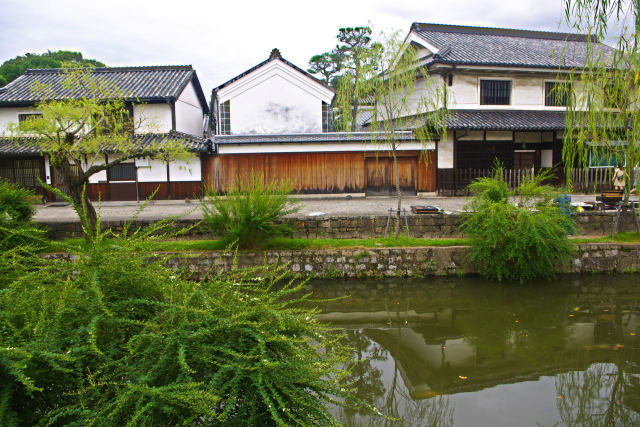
point(15, 202)
point(12, 68)
point(602, 122)
point(250, 213)
point(117, 338)
point(327, 65)
point(18, 235)
point(516, 235)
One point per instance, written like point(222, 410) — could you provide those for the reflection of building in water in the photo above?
point(450, 350)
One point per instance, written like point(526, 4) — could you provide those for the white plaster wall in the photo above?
point(474, 135)
point(99, 176)
point(189, 112)
point(499, 136)
point(445, 152)
point(528, 137)
point(10, 115)
point(428, 95)
point(151, 170)
point(47, 169)
point(275, 106)
point(152, 118)
point(546, 158)
point(314, 148)
point(527, 92)
point(185, 170)
point(275, 98)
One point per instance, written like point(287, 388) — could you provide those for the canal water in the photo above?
point(467, 352)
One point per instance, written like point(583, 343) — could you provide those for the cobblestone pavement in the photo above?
point(311, 206)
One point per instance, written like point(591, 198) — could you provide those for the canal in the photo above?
point(467, 352)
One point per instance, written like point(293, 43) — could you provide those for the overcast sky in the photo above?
point(224, 38)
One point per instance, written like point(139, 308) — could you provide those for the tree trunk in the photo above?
point(354, 115)
point(398, 191)
point(76, 188)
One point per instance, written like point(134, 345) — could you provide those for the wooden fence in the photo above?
point(454, 182)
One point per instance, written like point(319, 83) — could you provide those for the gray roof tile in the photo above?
point(505, 47)
point(156, 83)
point(27, 146)
point(308, 138)
point(516, 120)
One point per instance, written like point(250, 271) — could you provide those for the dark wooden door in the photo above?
point(524, 159)
point(406, 175)
point(377, 173)
point(58, 182)
point(380, 176)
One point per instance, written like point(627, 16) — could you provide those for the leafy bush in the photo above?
point(18, 235)
point(15, 203)
point(516, 235)
point(117, 338)
point(250, 212)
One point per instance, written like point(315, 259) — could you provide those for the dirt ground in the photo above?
point(310, 206)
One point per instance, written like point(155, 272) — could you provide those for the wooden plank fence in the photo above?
point(454, 182)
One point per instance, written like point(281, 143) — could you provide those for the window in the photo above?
point(495, 92)
point(28, 116)
point(600, 159)
point(556, 94)
point(225, 118)
point(326, 115)
point(122, 172)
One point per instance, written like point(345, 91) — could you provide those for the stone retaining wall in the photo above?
point(400, 262)
point(354, 227)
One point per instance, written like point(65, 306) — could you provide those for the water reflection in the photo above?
point(467, 352)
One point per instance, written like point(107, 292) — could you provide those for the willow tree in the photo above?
point(602, 120)
point(405, 97)
point(77, 130)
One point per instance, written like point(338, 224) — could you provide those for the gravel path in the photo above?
point(315, 206)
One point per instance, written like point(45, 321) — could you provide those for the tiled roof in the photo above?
point(272, 58)
point(19, 147)
point(519, 120)
point(463, 45)
point(27, 146)
point(307, 138)
point(159, 83)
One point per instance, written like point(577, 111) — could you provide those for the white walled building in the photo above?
point(166, 102)
point(273, 120)
point(500, 93)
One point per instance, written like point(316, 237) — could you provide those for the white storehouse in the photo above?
point(500, 94)
point(167, 101)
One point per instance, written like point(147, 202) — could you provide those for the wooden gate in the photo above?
point(380, 176)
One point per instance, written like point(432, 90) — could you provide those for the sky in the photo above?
point(221, 39)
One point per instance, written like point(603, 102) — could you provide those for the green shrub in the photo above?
point(516, 235)
point(250, 213)
point(117, 338)
point(18, 235)
point(15, 203)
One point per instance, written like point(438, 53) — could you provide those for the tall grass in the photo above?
point(250, 212)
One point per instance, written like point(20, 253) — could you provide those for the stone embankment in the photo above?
point(400, 262)
point(350, 227)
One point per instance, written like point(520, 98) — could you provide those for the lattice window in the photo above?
point(495, 92)
point(326, 117)
point(122, 172)
point(22, 171)
point(225, 118)
point(556, 94)
point(28, 116)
